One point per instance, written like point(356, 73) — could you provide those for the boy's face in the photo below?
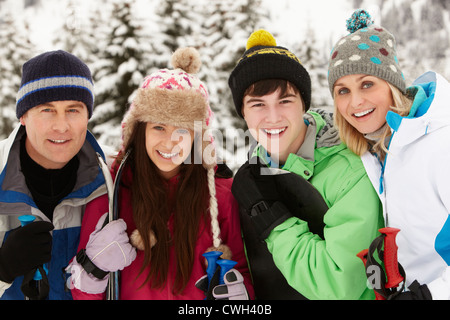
point(276, 122)
point(56, 131)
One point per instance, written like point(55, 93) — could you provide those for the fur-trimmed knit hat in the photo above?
point(263, 60)
point(368, 49)
point(54, 76)
point(178, 98)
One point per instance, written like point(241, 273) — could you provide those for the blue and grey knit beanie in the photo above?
point(54, 76)
point(368, 49)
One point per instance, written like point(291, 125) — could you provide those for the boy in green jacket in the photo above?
point(307, 205)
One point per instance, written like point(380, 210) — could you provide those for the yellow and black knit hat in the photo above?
point(263, 60)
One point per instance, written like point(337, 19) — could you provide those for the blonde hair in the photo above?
point(356, 141)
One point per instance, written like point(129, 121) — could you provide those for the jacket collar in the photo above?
point(429, 111)
point(12, 182)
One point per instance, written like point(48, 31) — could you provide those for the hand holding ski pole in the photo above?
point(222, 281)
point(24, 250)
point(108, 250)
point(386, 282)
point(35, 286)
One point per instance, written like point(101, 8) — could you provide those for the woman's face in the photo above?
point(168, 147)
point(363, 101)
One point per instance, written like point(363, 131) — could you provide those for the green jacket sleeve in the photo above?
point(329, 268)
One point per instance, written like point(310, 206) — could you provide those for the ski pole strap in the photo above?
point(89, 266)
point(266, 217)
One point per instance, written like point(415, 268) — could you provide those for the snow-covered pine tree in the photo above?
point(176, 21)
point(226, 26)
point(421, 31)
point(15, 49)
point(225, 30)
point(122, 62)
point(79, 32)
point(315, 59)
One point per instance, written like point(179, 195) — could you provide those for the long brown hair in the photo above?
point(152, 207)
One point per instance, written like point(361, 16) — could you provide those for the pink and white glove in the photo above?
point(109, 249)
point(233, 289)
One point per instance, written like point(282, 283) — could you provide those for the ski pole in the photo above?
point(211, 257)
point(25, 220)
point(213, 261)
point(113, 289)
point(225, 266)
point(390, 257)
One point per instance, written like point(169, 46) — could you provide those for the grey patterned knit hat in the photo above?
point(368, 49)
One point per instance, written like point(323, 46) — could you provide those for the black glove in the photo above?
point(280, 196)
point(257, 194)
point(206, 287)
point(25, 249)
point(35, 290)
point(302, 199)
point(416, 292)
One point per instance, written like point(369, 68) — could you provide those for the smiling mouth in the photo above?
point(57, 141)
point(363, 113)
point(167, 155)
point(274, 131)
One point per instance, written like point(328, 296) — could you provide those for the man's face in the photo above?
point(276, 122)
point(56, 131)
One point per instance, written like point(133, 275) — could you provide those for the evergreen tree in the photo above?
point(15, 49)
point(79, 34)
point(315, 60)
point(119, 70)
point(422, 38)
point(177, 21)
point(224, 33)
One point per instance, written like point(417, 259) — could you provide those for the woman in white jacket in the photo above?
point(403, 137)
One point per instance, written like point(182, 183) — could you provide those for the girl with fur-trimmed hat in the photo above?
point(402, 135)
point(174, 201)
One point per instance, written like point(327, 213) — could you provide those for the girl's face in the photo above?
point(168, 146)
point(363, 101)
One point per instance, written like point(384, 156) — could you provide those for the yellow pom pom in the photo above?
point(261, 38)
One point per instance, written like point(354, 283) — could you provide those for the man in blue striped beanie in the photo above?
point(48, 169)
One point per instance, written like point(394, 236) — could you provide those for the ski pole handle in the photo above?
point(211, 257)
point(363, 256)
point(25, 220)
point(225, 266)
point(390, 260)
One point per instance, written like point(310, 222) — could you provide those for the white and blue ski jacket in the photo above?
point(16, 200)
point(415, 186)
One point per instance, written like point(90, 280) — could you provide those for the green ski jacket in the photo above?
point(328, 268)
